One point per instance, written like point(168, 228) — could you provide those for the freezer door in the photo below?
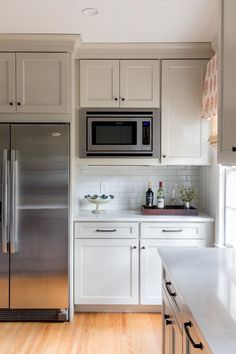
point(4, 190)
point(39, 216)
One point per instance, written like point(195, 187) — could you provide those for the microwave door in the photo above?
point(113, 135)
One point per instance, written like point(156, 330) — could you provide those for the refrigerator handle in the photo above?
point(13, 223)
point(4, 205)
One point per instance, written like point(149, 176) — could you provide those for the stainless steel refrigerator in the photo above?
point(34, 168)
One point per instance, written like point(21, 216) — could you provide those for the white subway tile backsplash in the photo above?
point(128, 183)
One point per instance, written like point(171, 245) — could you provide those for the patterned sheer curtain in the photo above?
point(210, 98)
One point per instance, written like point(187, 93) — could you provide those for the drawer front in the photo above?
point(172, 230)
point(193, 340)
point(105, 230)
point(173, 297)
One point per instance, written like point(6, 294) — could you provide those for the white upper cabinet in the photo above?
point(184, 133)
point(227, 111)
point(42, 82)
point(114, 83)
point(34, 82)
point(7, 82)
point(139, 83)
point(99, 83)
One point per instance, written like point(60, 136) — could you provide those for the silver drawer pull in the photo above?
point(168, 230)
point(100, 230)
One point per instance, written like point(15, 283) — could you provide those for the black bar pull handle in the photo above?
point(170, 292)
point(188, 325)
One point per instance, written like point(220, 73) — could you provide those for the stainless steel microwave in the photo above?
point(123, 132)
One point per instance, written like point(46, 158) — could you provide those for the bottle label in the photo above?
point(149, 201)
point(160, 203)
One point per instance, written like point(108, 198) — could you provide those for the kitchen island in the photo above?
point(200, 286)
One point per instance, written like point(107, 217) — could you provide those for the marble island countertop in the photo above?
point(206, 279)
point(136, 215)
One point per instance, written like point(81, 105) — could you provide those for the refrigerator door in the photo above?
point(4, 226)
point(39, 216)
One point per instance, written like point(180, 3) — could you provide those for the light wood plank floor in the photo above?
point(90, 333)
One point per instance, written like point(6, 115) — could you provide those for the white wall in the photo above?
point(129, 183)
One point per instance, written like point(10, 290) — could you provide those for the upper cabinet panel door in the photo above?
point(99, 83)
point(184, 133)
point(7, 82)
point(139, 80)
point(227, 111)
point(42, 82)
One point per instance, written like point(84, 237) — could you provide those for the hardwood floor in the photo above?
point(89, 333)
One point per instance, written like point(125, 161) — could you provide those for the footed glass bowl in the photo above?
point(98, 200)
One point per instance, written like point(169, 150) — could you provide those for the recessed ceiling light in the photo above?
point(90, 11)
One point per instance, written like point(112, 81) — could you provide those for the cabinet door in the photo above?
point(42, 82)
point(7, 82)
point(172, 335)
point(99, 83)
point(227, 111)
point(184, 133)
point(139, 83)
point(106, 271)
point(151, 267)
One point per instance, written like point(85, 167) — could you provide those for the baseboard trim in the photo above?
point(118, 308)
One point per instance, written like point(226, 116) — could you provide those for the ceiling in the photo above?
point(117, 21)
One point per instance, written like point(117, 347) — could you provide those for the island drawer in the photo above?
point(173, 230)
point(106, 230)
point(173, 297)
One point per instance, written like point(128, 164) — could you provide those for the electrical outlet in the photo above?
point(104, 187)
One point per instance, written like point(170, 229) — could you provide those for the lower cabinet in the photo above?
point(180, 334)
point(119, 264)
point(172, 335)
point(106, 271)
point(150, 266)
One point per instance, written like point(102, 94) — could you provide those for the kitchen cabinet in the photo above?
point(106, 271)
point(184, 133)
point(151, 266)
point(7, 82)
point(227, 80)
point(112, 253)
point(172, 334)
point(34, 83)
point(181, 333)
point(119, 83)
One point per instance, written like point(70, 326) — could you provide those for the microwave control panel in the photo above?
point(146, 132)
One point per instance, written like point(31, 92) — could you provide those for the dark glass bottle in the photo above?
point(149, 196)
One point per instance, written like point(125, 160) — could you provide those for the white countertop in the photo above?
point(206, 279)
point(135, 215)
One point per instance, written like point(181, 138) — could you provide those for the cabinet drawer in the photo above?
point(172, 230)
point(193, 340)
point(173, 297)
point(105, 230)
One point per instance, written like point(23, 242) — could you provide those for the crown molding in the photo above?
point(144, 51)
point(38, 42)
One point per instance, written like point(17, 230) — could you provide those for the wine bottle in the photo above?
point(149, 196)
point(160, 196)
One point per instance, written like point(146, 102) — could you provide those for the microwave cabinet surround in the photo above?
point(120, 83)
point(123, 132)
